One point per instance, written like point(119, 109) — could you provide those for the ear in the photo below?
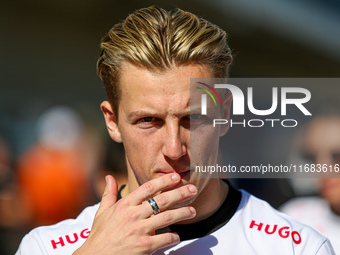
point(226, 112)
point(110, 120)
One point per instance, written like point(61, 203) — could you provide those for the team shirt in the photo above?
point(243, 224)
point(317, 213)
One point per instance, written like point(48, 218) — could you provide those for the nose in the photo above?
point(173, 147)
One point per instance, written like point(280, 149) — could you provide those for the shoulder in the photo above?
point(268, 225)
point(258, 209)
point(257, 228)
point(303, 205)
point(59, 238)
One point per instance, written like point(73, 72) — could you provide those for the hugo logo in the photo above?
point(283, 232)
point(73, 238)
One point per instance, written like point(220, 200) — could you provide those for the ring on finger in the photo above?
point(154, 206)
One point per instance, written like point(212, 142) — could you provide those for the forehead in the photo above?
point(324, 133)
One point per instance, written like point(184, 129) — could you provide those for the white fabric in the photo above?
point(316, 212)
point(255, 228)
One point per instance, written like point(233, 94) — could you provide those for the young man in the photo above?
point(146, 65)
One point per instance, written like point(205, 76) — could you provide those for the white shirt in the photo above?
point(316, 212)
point(255, 228)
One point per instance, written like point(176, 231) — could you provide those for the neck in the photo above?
point(131, 185)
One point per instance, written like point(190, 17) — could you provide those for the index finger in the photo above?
point(151, 187)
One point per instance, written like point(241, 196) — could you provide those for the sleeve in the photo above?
point(29, 246)
point(326, 249)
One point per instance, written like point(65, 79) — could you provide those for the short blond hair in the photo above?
point(155, 39)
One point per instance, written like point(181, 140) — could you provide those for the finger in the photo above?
point(164, 240)
point(151, 187)
point(169, 217)
point(110, 194)
point(169, 198)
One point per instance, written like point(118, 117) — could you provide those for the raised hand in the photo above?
point(128, 226)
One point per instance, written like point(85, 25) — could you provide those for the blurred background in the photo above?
point(53, 143)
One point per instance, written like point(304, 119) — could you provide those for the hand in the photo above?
point(128, 226)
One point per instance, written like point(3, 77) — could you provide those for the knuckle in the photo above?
point(171, 238)
point(181, 193)
point(149, 187)
point(167, 216)
point(144, 243)
point(121, 204)
point(132, 216)
point(104, 195)
point(161, 200)
point(131, 231)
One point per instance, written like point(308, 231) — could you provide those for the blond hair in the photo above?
point(155, 39)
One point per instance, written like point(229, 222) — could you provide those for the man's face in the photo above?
point(154, 123)
point(322, 144)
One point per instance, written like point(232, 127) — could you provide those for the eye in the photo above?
point(193, 120)
point(149, 122)
point(195, 116)
point(147, 119)
point(192, 117)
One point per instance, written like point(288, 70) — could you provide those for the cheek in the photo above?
point(204, 141)
point(135, 141)
point(141, 150)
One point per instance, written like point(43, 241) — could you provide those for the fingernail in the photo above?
point(175, 177)
point(192, 189)
point(192, 209)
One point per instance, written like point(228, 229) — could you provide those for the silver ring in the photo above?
point(154, 206)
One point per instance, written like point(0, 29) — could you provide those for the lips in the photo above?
point(183, 173)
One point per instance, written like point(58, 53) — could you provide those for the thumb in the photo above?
point(110, 194)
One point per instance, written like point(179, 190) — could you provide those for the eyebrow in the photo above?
point(139, 113)
point(195, 109)
point(135, 114)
